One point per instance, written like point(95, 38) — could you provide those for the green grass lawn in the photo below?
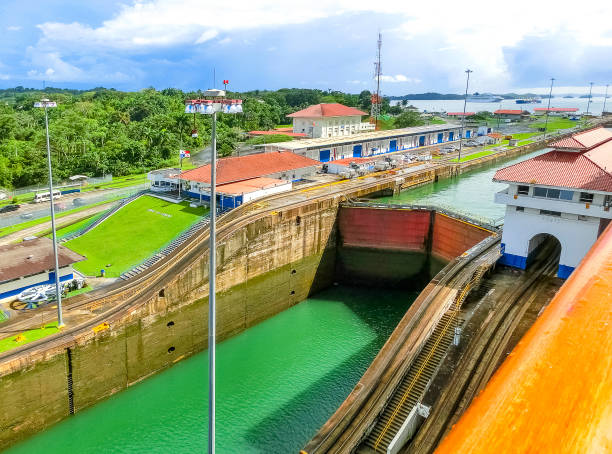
point(85, 289)
point(475, 155)
point(554, 124)
point(67, 230)
point(28, 336)
point(132, 234)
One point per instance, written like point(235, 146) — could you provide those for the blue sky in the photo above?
point(269, 44)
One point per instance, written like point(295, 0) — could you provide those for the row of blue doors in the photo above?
point(324, 155)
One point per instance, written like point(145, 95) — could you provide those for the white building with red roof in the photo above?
point(565, 193)
point(329, 120)
point(241, 179)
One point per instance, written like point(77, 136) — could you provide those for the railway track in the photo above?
point(348, 429)
point(123, 296)
point(484, 353)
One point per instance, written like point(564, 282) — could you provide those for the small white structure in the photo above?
point(565, 193)
point(164, 180)
point(31, 263)
point(329, 120)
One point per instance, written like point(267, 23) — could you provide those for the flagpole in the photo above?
point(180, 171)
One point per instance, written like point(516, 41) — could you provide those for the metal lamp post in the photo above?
point(214, 102)
point(589, 103)
point(45, 103)
point(552, 80)
point(467, 84)
point(605, 99)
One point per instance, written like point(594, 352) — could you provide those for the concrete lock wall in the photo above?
point(399, 247)
point(264, 268)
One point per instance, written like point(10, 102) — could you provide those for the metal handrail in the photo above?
point(454, 311)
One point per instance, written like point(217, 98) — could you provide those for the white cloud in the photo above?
point(4, 77)
point(399, 78)
point(13, 28)
point(355, 82)
point(207, 36)
point(467, 34)
point(53, 68)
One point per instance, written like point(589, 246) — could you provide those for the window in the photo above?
point(523, 190)
point(520, 208)
point(550, 193)
point(586, 197)
point(553, 193)
point(550, 213)
point(539, 192)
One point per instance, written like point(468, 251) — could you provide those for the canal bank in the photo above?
point(279, 382)
point(267, 265)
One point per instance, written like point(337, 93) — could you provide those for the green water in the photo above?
point(277, 383)
point(470, 194)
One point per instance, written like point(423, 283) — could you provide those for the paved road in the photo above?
point(40, 210)
point(16, 236)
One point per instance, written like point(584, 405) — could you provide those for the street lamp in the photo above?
point(589, 103)
point(214, 102)
point(45, 103)
point(605, 99)
point(467, 84)
point(552, 80)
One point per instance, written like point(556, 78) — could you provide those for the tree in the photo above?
point(407, 119)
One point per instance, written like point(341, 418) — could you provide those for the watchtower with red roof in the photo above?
point(563, 195)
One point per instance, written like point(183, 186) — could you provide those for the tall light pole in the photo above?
point(552, 80)
point(214, 103)
point(467, 84)
point(605, 99)
point(45, 103)
point(589, 103)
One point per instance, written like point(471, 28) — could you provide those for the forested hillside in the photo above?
point(108, 131)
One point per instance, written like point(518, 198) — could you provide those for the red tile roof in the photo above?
point(495, 135)
point(467, 114)
point(558, 168)
point(584, 140)
point(254, 184)
point(327, 110)
point(556, 109)
point(602, 156)
point(508, 111)
point(242, 168)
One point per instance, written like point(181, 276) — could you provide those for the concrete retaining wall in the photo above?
point(264, 268)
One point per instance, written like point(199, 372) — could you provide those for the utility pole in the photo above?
point(467, 84)
point(376, 104)
point(552, 80)
point(589, 103)
point(214, 103)
point(45, 103)
point(605, 99)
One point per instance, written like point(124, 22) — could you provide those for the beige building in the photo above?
point(329, 120)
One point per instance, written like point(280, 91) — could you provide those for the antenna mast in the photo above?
point(376, 101)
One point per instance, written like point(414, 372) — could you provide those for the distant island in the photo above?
point(452, 96)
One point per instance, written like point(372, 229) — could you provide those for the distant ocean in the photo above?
point(457, 105)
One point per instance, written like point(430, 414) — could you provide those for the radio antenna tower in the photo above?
point(376, 101)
